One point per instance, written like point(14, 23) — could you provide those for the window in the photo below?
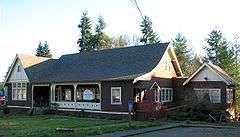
point(164, 95)
point(116, 95)
point(214, 94)
point(167, 65)
point(19, 91)
point(18, 68)
point(229, 95)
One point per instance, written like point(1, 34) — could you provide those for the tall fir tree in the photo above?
point(43, 50)
point(183, 53)
point(39, 51)
point(218, 51)
point(236, 68)
point(148, 35)
point(85, 41)
point(46, 50)
point(101, 40)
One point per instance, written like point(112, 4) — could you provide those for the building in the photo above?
point(102, 82)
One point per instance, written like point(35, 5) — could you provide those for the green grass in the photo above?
point(45, 125)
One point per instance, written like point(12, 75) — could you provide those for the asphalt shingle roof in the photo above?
point(104, 65)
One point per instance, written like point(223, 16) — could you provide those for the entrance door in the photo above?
point(41, 96)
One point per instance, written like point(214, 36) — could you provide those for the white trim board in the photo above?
point(17, 106)
point(92, 111)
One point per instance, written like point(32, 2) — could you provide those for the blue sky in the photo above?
point(23, 23)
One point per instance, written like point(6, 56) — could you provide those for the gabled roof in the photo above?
point(220, 72)
point(26, 61)
point(104, 65)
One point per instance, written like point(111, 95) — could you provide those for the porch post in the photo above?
point(75, 95)
point(32, 95)
point(52, 93)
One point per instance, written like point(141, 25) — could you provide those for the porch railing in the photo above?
point(80, 105)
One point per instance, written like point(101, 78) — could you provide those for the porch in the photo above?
point(69, 96)
point(77, 96)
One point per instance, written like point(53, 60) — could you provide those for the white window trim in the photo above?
point(228, 90)
point(118, 103)
point(17, 91)
point(171, 90)
point(158, 94)
point(209, 90)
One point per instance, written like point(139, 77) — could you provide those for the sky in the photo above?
point(23, 23)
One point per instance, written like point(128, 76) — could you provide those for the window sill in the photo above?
point(116, 103)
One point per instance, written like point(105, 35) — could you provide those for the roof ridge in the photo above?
point(102, 50)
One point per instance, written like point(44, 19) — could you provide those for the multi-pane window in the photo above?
point(229, 95)
point(164, 95)
point(19, 91)
point(214, 94)
point(116, 95)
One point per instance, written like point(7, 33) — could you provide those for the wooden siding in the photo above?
point(16, 76)
point(126, 94)
point(160, 71)
point(207, 73)
point(210, 84)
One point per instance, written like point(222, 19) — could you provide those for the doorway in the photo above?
point(41, 96)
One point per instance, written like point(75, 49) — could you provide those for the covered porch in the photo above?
point(76, 96)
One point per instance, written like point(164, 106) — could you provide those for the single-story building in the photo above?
point(104, 81)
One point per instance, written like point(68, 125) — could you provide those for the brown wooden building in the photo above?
point(104, 81)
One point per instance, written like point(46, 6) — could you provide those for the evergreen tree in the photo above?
point(85, 40)
point(43, 50)
point(148, 35)
point(101, 40)
point(218, 52)
point(39, 50)
point(46, 50)
point(183, 53)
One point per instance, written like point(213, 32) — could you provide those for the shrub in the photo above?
point(5, 109)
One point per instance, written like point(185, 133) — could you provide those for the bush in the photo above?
point(5, 109)
point(192, 116)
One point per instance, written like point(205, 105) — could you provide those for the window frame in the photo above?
point(159, 96)
point(18, 68)
point(19, 91)
point(120, 90)
point(209, 90)
point(229, 91)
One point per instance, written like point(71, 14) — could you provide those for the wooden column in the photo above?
point(75, 95)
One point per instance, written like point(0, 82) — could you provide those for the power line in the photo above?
point(138, 8)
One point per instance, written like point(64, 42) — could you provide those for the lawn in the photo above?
point(45, 125)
